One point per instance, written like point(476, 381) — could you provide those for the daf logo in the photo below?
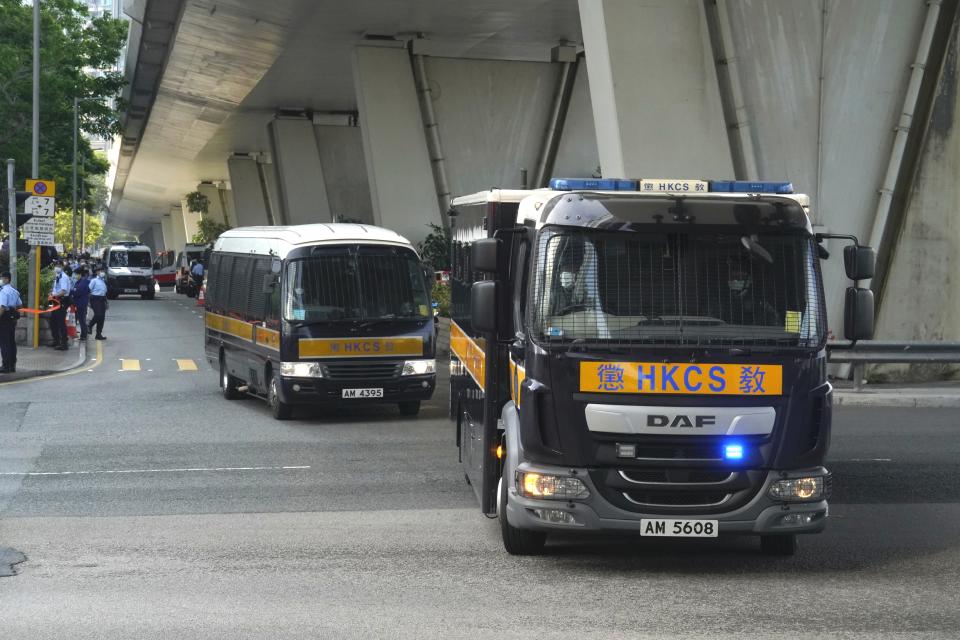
point(681, 421)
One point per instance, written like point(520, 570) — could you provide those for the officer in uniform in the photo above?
point(10, 303)
point(58, 319)
point(98, 302)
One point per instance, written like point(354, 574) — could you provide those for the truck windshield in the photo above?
point(356, 283)
point(677, 288)
point(130, 259)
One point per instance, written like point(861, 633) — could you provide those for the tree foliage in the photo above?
point(208, 231)
point(63, 229)
point(78, 58)
point(435, 248)
point(197, 202)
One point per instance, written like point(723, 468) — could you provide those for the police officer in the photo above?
point(62, 284)
point(81, 299)
point(10, 304)
point(98, 302)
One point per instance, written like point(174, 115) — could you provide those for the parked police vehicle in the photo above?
point(646, 357)
point(129, 270)
point(320, 314)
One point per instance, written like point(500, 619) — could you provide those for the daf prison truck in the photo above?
point(647, 357)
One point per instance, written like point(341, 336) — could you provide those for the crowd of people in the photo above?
point(79, 282)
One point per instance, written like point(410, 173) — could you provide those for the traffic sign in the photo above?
point(42, 187)
point(38, 225)
point(40, 206)
point(39, 239)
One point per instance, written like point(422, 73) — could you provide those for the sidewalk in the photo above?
point(39, 362)
point(934, 394)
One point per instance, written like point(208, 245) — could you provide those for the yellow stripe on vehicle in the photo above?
point(360, 347)
point(518, 374)
point(268, 338)
point(685, 378)
point(231, 326)
point(470, 352)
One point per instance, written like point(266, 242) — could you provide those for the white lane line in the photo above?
point(867, 460)
point(133, 471)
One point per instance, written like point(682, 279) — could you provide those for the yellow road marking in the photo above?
point(72, 372)
point(186, 365)
point(129, 365)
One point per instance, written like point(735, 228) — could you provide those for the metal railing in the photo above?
point(880, 352)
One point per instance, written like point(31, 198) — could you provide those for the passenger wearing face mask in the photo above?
point(564, 299)
point(60, 292)
point(98, 303)
point(741, 304)
point(10, 304)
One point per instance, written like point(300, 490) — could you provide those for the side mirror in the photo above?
point(483, 306)
point(859, 261)
point(858, 314)
point(483, 254)
point(275, 265)
point(269, 281)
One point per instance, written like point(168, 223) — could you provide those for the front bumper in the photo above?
point(761, 515)
point(320, 391)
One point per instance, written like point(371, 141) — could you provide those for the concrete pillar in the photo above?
point(191, 221)
point(177, 229)
point(218, 207)
point(341, 152)
point(248, 194)
point(296, 161)
point(166, 229)
point(653, 85)
point(402, 190)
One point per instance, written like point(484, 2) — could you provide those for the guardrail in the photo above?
point(879, 352)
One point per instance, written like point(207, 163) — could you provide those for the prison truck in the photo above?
point(645, 357)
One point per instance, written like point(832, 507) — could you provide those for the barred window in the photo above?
point(699, 288)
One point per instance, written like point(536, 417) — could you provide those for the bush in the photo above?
point(23, 282)
point(441, 295)
point(435, 248)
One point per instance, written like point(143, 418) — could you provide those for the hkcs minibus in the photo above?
point(645, 358)
point(320, 314)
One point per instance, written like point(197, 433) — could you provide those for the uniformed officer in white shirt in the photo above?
point(58, 319)
point(10, 302)
point(98, 302)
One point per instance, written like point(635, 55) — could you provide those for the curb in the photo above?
point(39, 373)
point(890, 399)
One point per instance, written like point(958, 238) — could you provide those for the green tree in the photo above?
point(78, 59)
point(208, 230)
point(63, 228)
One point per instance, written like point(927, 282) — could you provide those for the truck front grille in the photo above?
point(354, 371)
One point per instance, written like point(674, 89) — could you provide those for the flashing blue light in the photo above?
point(596, 184)
point(733, 452)
point(747, 186)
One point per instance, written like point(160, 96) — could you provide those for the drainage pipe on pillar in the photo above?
point(903, 125)
point(434, 148)
point(731, 91)
point(558, 116)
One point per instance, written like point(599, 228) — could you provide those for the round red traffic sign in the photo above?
point(40, 188)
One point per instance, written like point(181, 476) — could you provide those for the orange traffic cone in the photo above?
point(71, 323)
point(201, 298)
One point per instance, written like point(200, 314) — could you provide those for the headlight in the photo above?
point(797, 489)
point(541, 485)
point(301, 370)
point(419, 367)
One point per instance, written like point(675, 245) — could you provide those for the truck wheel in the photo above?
point(517, 542)
point(228, 383)
point(409, 408)
point(782, 545)
point(281, 410)
point(148, 296)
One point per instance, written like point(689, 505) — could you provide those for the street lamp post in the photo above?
point(73, 244)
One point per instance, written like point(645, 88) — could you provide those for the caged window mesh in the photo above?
point(698, 288)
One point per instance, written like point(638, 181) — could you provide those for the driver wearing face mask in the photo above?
point(742, 304)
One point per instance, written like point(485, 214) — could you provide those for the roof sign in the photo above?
point(670, 185)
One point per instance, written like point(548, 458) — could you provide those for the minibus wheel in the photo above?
point(281, 410)
point(228, 384)
point(409, 408)
point(782, 545)
point(517, 542)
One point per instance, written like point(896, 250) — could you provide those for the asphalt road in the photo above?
point(153, 508)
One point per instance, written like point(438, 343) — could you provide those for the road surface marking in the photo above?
point(135, 471)
point(867, 460)
point(129, 364)
point(186, 365)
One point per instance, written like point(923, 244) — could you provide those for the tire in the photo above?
point(148, 296)
point(281, 410)
point(782, 545)
point(517, 542)
point(228, 383)
point(409, 408)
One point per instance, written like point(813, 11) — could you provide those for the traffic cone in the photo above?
point(71, 323)
point(201, 298)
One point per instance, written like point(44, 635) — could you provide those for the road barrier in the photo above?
point(880, 352)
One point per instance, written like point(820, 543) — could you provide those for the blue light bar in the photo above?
point(733, 452)
point(592, 184)
point(746, 186)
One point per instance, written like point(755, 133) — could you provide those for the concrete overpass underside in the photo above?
point(299, 111)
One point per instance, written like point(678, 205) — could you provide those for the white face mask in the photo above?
point(737, 286)
point(57, 270)
point(4, 282)
point(566, 279)
point(100, 275)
